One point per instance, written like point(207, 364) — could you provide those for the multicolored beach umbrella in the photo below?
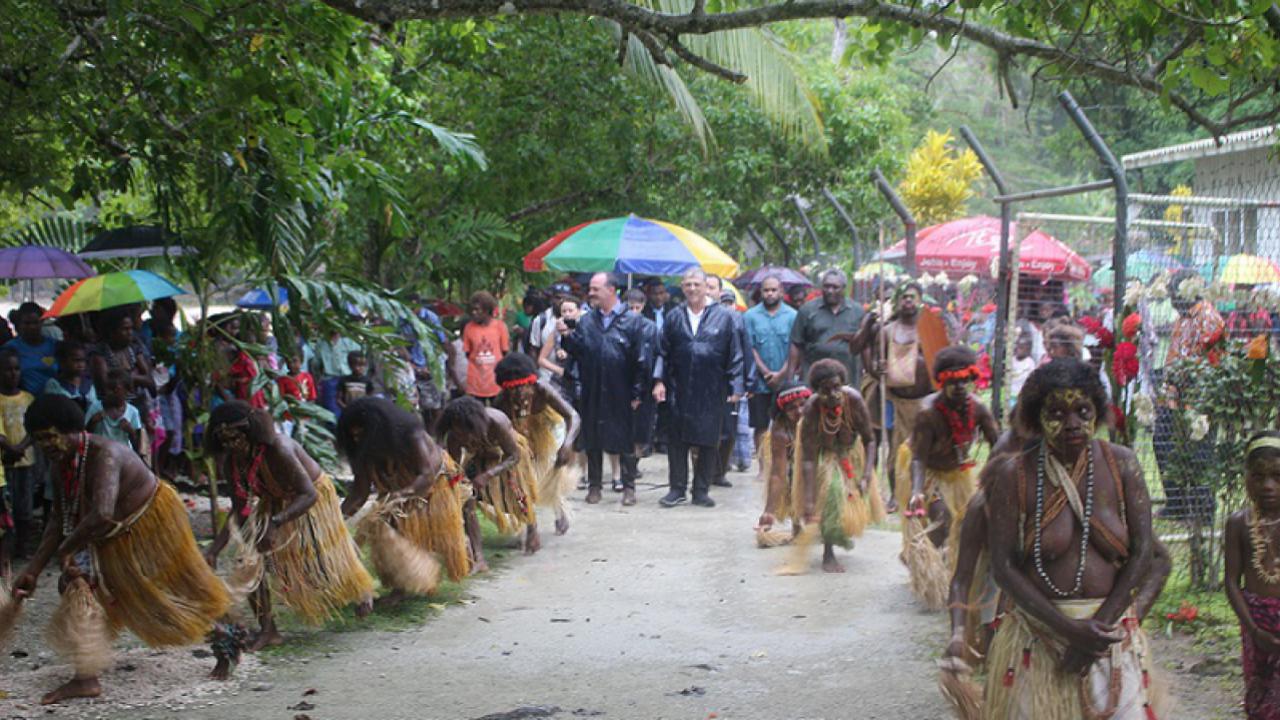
point(112, 290)
point(629, 245)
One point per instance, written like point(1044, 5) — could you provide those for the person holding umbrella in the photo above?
point(700, 369)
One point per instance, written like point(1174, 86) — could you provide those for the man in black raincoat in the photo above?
point(700, 369)
point(609, 349)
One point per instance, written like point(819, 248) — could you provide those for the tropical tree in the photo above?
point(939, 179)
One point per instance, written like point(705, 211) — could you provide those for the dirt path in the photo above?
point(637, 613)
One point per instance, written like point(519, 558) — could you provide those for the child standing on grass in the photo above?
point(15, 450)
point(1253, 576)
point(112, 416)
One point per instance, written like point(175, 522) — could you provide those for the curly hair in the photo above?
point(57, 412)
point(466, 414)
point(387, 433)
point(954, 357)
point(824, 370)
point(257, 425)
point(1059, 374)
point(514, 366)
point(487, 303)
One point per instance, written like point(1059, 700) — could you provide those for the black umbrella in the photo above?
point(134, 241)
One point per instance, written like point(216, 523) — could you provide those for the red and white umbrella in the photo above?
point(971, 245)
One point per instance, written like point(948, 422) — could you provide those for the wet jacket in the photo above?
point(612, 367)
point(700, 372)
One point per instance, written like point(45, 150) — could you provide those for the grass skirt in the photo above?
point(80, 632)
point(509, 499)
point(10, 609)
point(544, 432)
point(314, 567)
point(931, 567)
point(401, 533)
point(153, 579)
point(1024, 682)
point(777, 496)
point(842, 510)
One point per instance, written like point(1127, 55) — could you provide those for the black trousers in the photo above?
point(595, 469)
point(678, 466)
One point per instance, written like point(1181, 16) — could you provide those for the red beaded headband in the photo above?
point(526, 380)
point(969, 373)
point(794, 395)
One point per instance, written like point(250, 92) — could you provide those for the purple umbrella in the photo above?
point(32, 262)
point(788, 277)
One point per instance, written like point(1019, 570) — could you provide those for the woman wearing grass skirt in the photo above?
point(416, 525)
point(834, 491)
point(1070, 558)
point(547, 422)
point(123, 540)
point(287, 513)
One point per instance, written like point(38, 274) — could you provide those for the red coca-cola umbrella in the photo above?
point(972, 244)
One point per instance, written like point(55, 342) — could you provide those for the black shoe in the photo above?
point(703, 501)
point(742, 467)
point(721, 482)
point(617, 486)
point(673, 499)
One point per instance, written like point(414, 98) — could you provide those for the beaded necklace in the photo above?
point(962, 430)
point(1261, 549)
point(1085, 522)
point(73, 485)
point(832, 419)
point(241, 485)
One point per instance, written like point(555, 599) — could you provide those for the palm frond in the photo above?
point(640, 63)
point(57, 231)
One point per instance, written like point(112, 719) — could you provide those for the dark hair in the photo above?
point(652, 281)
point(487, 302)
point(257, 425)
point(64, 348)
point(634, 295)
point(110, 320)
point(1265, 451)
point(354, 356)
point(57, 412)
point(117, 376)
point(465, 413)
point(954, 357)
point(387, 436)
point(7, 353)
point(27, 308)
point(514, 366)
point(1058, 374)
point(908, 285)
point(824, 370)
point(611, 279)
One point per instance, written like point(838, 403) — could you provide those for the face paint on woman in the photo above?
point(1067, 418)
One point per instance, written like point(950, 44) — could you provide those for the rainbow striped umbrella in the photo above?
point(629, 245)
point(112, 290)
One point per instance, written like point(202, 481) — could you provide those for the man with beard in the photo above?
point(607, 346)
point(699, 371)
point(769, 332)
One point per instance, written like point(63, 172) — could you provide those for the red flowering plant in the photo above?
point(1120, 358)
point(1093, 326)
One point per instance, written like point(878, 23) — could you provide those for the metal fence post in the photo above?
point(853, 229)
point(1119, 255)
point(1004, 280)
point(808, 226)
point(900, 209)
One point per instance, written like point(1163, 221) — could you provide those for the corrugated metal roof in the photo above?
point(1233, 143)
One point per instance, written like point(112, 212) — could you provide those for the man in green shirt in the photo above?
point(816, 324)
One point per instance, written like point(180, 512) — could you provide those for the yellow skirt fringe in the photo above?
point(153, 579)
point(433, 524)
point(542, 433)
point(509, 499)
point(930, 567)
point(1024, 682)
point(314, 567)
point(844, 512)
point(79, 631)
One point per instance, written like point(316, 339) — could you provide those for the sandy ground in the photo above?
point(637, 613)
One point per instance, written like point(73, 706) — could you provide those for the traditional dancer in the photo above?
point(1253, 576)
point(121, 533)
point(833, 489)
point(1069, 561)
point(499, 463)
point(285, 509)
point(539, 413)
point(420, 497)
point(942, 478)
point(905, 373)
point(777, 458)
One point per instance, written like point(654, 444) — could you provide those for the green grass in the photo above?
point(412, 613)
